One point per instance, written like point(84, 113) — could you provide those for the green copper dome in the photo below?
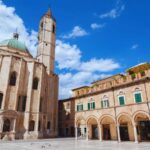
point(14, 43)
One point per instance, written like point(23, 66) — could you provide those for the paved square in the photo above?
point(71, 144)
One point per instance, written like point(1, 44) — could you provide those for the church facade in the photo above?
point(29, 86)
point(115, 108)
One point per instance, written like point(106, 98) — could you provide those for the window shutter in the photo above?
point(93, 105)
point(77, 108)
point(82, 106)
point(138, 97)
point(88, 106)
point(101, 104)
point(121, 100)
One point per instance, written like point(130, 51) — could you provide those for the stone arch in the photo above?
point(108, 127)
point(142, 113)
point(105, 116)
point(142, 123)
point(126, 127)
point(92, 127)
point(91, 117)
point(124, 115)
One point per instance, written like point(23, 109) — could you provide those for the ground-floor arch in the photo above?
point(92, 128)
point(142, 122)
point(126, 131)
point(108, 128)
point(81, 128)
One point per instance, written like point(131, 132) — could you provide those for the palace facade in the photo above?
point(115, 108)
point(29, 86)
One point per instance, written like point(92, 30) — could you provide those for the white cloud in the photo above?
point(114, 13)
point(67, 56)
point(135, 46)
point(77, 31)
point(97, 26)
point(10, 21)
point(78, 72)
point(99, 65)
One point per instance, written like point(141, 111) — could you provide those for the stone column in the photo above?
point(14, 126)
point(135, 133)
point(118, 132)
point(87, 132)
point(100, 132)
point(29, 97)
point(1, 127)
point(76, 133)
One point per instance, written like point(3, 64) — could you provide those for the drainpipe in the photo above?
point(147, 97)
point(117, 127)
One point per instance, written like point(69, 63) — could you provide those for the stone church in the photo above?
point(29, 86)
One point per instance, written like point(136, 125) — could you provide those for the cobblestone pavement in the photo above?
point(72, 144)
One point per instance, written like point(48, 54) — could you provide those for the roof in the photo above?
point(110, 77)
point(14, 43)
point(80, 88)
point(139, 67)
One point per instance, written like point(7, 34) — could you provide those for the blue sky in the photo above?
point(104, 36)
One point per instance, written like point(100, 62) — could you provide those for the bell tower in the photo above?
point(46, 41)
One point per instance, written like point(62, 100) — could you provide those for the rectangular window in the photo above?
point(105, 104)
point(121, 100)
point(80, 107)
point(138, 97)
point(91, 105)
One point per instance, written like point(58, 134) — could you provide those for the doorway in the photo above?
point(94, 132)
point(144, 130)
point(124, 135)
point(106, 132)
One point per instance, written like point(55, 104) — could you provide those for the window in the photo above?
point(39, 126)
point(80, 107)
point(48, 125)
point(105, 102)
point(121, 100)
point(54, 28)
point(1, 99)
point(6, 125)
point(13, 78)
point(41, 105)
point(91, 105)
point(31, 125)
point(138, 97)
point(21, 103)
point(35, 83)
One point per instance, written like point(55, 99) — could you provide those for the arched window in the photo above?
point(1, 99)
point(35, 83)
point(6, 125)
point(48, 125)
point(105, 102)
point(31, 125)
point(54, 28)
point(13, 78)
